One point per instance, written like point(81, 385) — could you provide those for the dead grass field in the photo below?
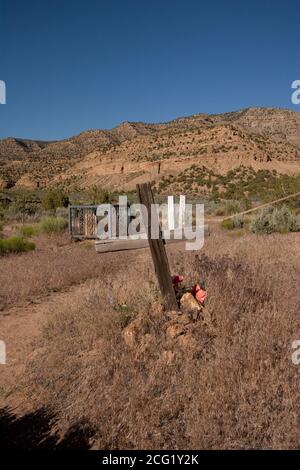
point(232, 386)
point(55, 265)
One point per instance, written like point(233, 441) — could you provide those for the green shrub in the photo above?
point(235, 222)
point(227, 224)
point(52, 225)
point(55, 198)
point(126, 314)
point(15, 245)
point(28, 231)
point(271, 220)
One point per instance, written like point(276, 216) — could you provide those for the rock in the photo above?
point(135, 337)
point(157, 308)
point(131, 332)
point(189, 305)
point(168, 357)
point(129, 335)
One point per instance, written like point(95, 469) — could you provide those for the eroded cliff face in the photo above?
point(135, 152)
point(280, 125)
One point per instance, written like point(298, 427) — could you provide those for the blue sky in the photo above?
point(75, 65)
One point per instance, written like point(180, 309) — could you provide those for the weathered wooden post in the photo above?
point(157, 248)
point(70, 221)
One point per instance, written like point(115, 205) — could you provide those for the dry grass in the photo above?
point(234, 387)
point(55, 265)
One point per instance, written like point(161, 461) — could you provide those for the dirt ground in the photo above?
point(34, 286)
point(29, 302)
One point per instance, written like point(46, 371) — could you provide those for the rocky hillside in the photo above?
point(134, 152)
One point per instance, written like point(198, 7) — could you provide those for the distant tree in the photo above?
point(99, 196)
point(24, 205)
point(53, 199)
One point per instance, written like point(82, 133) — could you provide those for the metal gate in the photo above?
point(83, 222)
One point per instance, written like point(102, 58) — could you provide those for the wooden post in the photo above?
point(70, 222)
point(157, 248)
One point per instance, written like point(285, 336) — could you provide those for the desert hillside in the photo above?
point(261, 138)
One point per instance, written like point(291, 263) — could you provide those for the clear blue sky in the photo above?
point(75, 65)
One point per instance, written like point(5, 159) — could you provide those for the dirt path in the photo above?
point(19, 326)
point(21, 322)
point(21, 424)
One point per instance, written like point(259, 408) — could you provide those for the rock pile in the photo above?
point(177, 329)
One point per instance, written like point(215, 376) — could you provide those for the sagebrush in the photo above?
point(271, 220)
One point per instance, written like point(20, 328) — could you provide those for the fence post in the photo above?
point(157, 248)
point(70, 222)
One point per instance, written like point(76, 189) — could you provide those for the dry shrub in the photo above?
point(237, 388)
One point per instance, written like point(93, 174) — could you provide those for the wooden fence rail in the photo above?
point(261, 206)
